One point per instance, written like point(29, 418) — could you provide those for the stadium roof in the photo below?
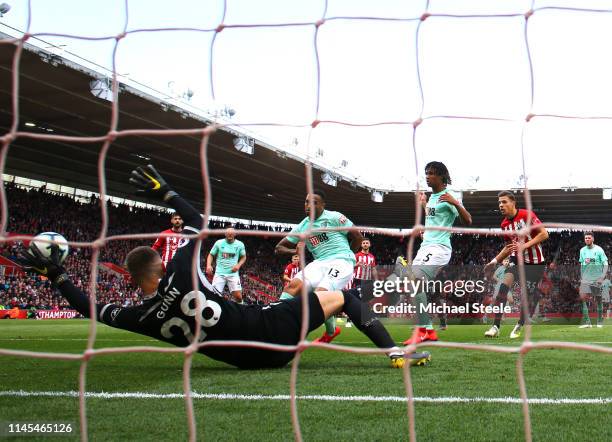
point(54, 94)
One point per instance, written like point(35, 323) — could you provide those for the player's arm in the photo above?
point(286, 246)
point(149, 182)
point(374, 271)
point(50, 267)
point(604, 270)
point(210, 259)
point(503, 254)
point(541, 236)
point(241, 261)
point(464, 215)
point(286, 278)
point(159, 243)
point(355, 238)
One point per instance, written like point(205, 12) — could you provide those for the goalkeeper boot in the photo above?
point(414, 359)
point(516, 331)
point(326, 339)
point(419, 358)
point(493, 332)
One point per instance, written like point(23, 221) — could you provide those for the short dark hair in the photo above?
point(321, 193)
point(138, 262)
point(589, 233)
point(440, 170)
point(173, 214)
point(507, 193)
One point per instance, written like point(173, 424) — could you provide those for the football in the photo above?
point(43, 244)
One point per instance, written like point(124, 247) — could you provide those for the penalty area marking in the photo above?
point(286, 397)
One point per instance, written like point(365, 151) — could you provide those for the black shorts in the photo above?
point(365, 288)
point(533, 274)
point(277, 323)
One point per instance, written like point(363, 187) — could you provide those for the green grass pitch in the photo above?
point(551, 374)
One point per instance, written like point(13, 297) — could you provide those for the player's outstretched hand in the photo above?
point(32, 260)
point(148, 181)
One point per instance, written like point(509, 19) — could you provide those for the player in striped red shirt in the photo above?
point(291, 270)
point(533, 258)
point(365, 270)
point(167, 246)
point(365, 267)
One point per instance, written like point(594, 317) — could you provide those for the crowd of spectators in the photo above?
point(32, 211)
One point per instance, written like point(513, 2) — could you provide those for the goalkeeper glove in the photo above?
point(34, 261)
point(150, 182)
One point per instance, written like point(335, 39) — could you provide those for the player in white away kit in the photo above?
point(593, 271)
point(230, 255)
point(332, 268)
point(441, 210)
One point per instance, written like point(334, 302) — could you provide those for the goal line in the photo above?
point(328, 398)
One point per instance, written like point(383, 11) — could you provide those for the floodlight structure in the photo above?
point(329, 179)
point(4, 8)
point(101, 88)
point(244, 144)
point(377, 196)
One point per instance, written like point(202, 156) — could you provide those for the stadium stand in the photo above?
point(34, 210)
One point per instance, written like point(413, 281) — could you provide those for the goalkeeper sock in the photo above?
point(365, 321)
point(585, 313)
point(330, 325)
point(599, 312)
point(285, 295)
point(422, 317)
point(502, 297)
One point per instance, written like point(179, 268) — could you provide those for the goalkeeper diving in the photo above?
point(169, 307)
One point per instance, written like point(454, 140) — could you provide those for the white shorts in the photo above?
point(330, 274)
point(232, 281)
point(590, 288)
point(430, 259)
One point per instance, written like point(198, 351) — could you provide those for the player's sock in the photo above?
point(521, 320)
point(502, 297)
point(285, 295)
point(365, 321)
point(600, 312)
point(330, 325)
point(585, 313)
point(443, 320)
point(422, 317)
